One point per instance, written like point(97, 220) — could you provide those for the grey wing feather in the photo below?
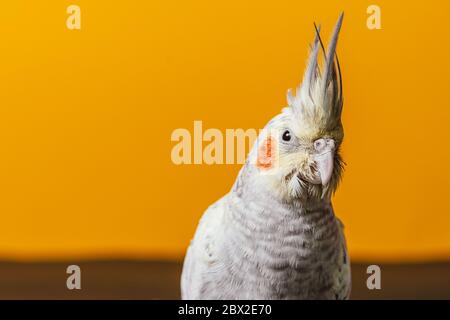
point(202, 256)
point(343, 283)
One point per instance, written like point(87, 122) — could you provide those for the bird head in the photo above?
point(298, 150)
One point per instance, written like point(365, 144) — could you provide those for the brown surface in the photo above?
point(160, 280)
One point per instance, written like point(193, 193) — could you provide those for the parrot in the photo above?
point(275, 235)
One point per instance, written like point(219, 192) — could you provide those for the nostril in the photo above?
point(319, 144)
point(330, 143)
point(324, 143)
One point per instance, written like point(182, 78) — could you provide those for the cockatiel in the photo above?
point(275, 235)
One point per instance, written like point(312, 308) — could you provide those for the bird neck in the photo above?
point(248, 187)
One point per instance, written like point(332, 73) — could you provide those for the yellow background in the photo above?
point(86, 118)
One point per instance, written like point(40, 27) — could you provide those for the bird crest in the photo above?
point(318, 100)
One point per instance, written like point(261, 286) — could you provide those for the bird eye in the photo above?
point(286, 136)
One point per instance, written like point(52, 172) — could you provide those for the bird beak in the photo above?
point(325, 162)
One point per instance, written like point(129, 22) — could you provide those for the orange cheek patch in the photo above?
point(267, 154)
